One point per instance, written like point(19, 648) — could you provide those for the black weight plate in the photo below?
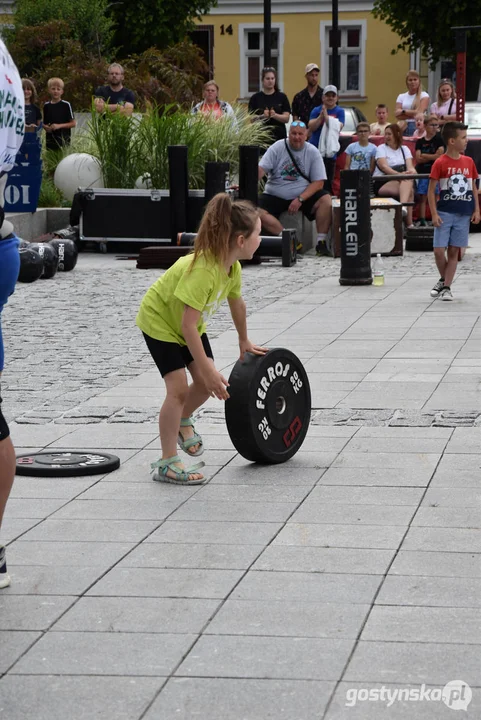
point(269, 408)
point(66, 463)
point(289, 247)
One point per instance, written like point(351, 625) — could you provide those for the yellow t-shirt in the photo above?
point(203, 288)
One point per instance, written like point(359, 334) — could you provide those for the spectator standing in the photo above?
point(428, 149)
point(445, 106)
point(394, 158)
point(458, 204)
point(271, 105)
point(33, 116)
point(114, 95)
point(11, 133)
point(378, 127)
point(361, 155)
point(320, 117)
point(211, 106)
point(306, 100)
point(58, 117)
point(409, 103)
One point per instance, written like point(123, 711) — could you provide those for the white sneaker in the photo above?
point(446, 294)
point(437, 289)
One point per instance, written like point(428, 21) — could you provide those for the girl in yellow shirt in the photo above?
point(173, 315)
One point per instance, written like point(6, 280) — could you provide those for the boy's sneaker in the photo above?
point(446, 293)
point(4, 576)
point(321, 249)
point(437, 288)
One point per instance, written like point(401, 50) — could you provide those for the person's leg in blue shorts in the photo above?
point(452, 235)
point(9, 268)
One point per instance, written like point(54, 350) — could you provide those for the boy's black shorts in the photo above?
point(276, 205)
point(4, 429)
point(171, 356)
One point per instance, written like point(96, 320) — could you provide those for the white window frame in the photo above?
point(243, 27)
point(324, 37)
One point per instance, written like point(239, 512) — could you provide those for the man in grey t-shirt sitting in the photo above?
point(295, 182)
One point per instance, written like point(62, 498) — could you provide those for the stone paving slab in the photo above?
point(167, 582)
point(31, 612)
point(14, 644)
point(86, 653)
point(271, 591)
point(138, 615)
point(431, 591)
point(289, 618)
point(246, 698)
point(441, 564)
point(413, 662)
point(352, 561)
point(76, 697)
point(69, 554)
point(188, 556)
point(424, 624)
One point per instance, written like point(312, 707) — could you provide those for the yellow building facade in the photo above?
point(369, 73)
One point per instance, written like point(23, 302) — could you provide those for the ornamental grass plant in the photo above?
point(129, 148)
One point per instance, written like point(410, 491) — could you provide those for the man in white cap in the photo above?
point(309, 98)
point(320, 116)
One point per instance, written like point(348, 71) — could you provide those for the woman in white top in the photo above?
point(410, 103)
point(393, 158)
point(445, 107)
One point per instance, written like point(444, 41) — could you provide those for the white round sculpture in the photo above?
point(77, 170)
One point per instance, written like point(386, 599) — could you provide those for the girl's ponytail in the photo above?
point(223, 221)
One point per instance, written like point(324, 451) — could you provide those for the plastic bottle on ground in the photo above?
point(378, 271)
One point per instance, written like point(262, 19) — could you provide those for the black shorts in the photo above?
point(276, 205)
point(4, 429)
point(171, 356)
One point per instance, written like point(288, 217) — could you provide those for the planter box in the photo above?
point(115, 215)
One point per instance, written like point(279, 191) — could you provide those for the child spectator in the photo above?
point(458, 204)
point(420, 128)
point(58, 117)
point(445, 106)
point(378, 127)
point(33, 116)
point(428, 149)
point(361, 155)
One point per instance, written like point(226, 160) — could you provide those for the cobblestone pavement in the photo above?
point(326, 588)
point(78, 337)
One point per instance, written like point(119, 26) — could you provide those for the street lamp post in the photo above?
point(267, 33)
point(335, 44)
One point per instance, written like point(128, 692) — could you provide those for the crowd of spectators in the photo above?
point(314, 109)
point(410, 144)
point(57, 118)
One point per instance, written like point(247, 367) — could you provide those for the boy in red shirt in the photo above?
point(458, 204)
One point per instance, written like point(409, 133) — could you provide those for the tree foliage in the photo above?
point(88, 21)
point(427, 25)
point(154, 23)
point(174, 75)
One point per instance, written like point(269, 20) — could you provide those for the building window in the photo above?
point(352, 55)
point(251, 41)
